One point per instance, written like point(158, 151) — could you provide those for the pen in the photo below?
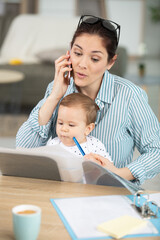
point(78, 145)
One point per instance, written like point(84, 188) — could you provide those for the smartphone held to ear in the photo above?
point(68, 74)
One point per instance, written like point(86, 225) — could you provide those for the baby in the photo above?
point(76, 118)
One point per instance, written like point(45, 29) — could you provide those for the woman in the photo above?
point(124, 119)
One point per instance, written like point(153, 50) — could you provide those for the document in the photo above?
point(65, 166)
point(68, 165)
point(81, 216)
point(96, 174)
point(155, 197)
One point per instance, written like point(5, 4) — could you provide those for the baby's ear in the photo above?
point(89, 128)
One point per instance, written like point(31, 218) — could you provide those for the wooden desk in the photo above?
point(15, 191)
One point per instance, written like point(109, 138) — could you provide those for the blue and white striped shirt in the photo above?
point(125, 120)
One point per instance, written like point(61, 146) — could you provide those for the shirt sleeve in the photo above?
point(31, 134)
point(145, 130)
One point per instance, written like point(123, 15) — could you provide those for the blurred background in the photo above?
point(33, 33)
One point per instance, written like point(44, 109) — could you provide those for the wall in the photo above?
point(129, 15)
point(132, 15)
point(152, 31)
point(57, 7)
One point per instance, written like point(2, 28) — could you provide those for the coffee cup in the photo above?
point(26, 222)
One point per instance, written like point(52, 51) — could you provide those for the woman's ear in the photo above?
point(89, 128)
point(112, 62)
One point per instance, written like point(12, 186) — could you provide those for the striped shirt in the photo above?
point(124, 120)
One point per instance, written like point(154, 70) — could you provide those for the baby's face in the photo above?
point(71, 122)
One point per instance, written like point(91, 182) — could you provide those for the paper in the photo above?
point(155, 197)
point(121, 226)
point(69, 165)
point(96, 174)
point(81, 216)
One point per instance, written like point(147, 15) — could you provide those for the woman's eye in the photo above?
point(95, 59)
point(77, 53)
point(60, 123)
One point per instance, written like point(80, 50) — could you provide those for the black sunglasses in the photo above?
point(107, 24)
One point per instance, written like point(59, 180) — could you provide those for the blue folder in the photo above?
point(65, 220)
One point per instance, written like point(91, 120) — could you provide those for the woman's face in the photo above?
point(89, 61)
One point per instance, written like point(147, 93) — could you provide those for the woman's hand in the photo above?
point(104, 162)
point(59, 88)
point(61, 82)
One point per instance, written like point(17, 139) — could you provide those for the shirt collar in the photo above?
point(74, 87)
point(105, 93)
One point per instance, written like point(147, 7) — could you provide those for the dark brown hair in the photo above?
point(109, 38)
point(84, 102)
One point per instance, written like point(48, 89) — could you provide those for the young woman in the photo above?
point(124, 119)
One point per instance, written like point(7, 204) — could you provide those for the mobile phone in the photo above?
point(69, 73)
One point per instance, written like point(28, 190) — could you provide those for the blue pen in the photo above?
point(78, 145)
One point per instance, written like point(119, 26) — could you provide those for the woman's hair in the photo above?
point(84, 102)
point(109, 37)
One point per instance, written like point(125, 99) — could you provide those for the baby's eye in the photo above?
point(60, 123)
point(71, 125)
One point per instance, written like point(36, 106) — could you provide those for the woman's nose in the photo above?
point(83, 62)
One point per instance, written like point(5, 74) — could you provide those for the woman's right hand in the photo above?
point(60, 86)
point(61, 82)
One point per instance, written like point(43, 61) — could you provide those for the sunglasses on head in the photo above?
point(107, 24)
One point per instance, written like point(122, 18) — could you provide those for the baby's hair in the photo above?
point(83, 101)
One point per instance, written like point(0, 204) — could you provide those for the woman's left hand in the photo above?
point(104, 162)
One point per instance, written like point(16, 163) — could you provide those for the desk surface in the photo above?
point(15, 191)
